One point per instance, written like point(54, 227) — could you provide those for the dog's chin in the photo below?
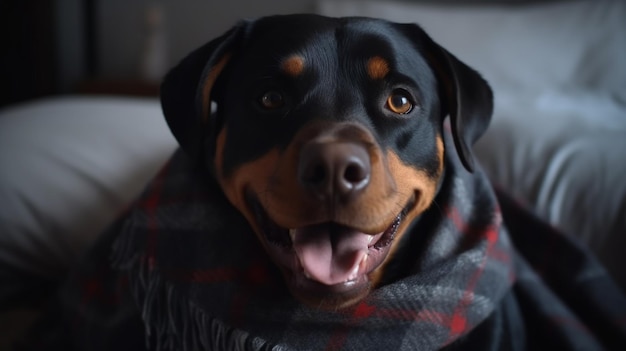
point(328, 287)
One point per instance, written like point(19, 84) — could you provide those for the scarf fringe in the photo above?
point(172, 322)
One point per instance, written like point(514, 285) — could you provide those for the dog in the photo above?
point(326, 134)
point(326, 198)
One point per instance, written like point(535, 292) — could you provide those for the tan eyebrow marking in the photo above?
point(293, 65)
point(377, 67)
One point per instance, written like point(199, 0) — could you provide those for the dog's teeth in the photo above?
point(363, 262)
point(369, 241)
point(292, 235)
point(355, 271)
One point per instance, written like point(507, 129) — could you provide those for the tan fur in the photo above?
point(409, 181)
point(214, 72)
point(273, 179)
point(293, 65)
point(377, 67)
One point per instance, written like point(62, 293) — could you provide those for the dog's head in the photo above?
point(327, 137)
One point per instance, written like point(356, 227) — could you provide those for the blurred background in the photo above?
point(112, 46)
point(82, 132)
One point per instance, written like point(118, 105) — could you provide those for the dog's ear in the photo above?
point(187, 89)
point(465, 95)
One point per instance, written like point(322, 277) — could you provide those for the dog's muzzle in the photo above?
point(330, 259)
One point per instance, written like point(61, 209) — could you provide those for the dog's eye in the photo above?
point(399, 102)
point(272, 100)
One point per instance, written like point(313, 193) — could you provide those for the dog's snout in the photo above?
point(334, 169)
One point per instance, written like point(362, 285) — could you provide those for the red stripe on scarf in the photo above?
point(429, 316)
point(458, 323)
point(361, 311)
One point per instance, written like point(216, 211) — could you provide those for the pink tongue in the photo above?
point(330, 255)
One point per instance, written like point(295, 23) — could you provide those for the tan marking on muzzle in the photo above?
point(251, 176)
point(440, 154)
point(273, 180)
point(409, 181)
point(292, 205)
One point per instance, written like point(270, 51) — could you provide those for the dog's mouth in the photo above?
point(327, 263)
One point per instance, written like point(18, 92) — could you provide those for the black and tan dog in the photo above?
point(327, 137)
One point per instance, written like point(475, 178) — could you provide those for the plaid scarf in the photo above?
point(189, 274)
point(203, 281)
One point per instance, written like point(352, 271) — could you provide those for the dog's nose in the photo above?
point(334, 169)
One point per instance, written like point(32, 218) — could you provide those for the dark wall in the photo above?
point(27, 50)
